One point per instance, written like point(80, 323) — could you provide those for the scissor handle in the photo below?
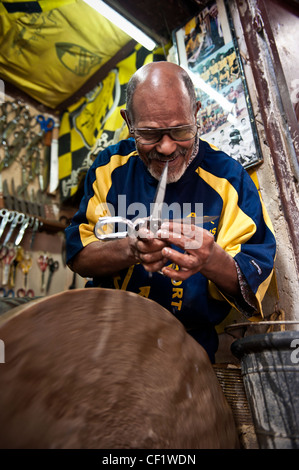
point(53, 265)
point(113, 235)
point(23, 293)
point(45, 124)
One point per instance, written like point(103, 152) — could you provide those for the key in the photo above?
point(43, 264)
point(53, 266)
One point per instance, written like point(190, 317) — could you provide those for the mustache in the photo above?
point(154, 155)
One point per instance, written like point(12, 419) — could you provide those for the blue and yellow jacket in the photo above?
point(242, 228)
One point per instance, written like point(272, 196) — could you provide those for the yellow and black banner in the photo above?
point(94, 122)
point(49, 49)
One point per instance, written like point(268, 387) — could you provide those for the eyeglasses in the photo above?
point(147, 136)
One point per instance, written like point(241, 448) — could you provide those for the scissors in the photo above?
point(18, 219)
point(7, 217)
point(23, 293)
point(3, 251)
point(45, 124)
point(153, 222)
point(53, 265)
point(6, 293)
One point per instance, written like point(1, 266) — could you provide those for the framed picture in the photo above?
point(207, 48)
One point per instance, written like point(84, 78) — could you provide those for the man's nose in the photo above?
point(166, 145)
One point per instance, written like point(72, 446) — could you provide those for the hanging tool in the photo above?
point(7, 260)
point(35, 227)
point(18, 219)
point(28, 221)
point(18, 258)
point(6, 293)
point(25, 265)
point(43, 264)
point(23, 293)
point(11, 126)
point(1, 193)
point(46, 127)
point(53, 267)
point(8, 199)
point(54, 180)
point(19, 203)
point(7, 217)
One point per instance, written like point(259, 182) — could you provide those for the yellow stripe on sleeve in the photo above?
point(236, 228)
point(233, 231)
point(97, 206)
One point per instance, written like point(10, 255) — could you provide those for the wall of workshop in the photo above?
point(281, 300)
point(274, 115)
point(48, 240)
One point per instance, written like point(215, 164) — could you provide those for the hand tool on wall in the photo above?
point(28, 222)
point(17, 220)
point(53, 267)
point(7, 217)
point(18, 258)
point(35, 228)
point(54, 180)
point(19, 203)
point(46, 128)
point(17, 110)
point(25, 293)
point(43, 264)
point(8, 199)
point(1, 193)
point(7, 260)
point(25, 265)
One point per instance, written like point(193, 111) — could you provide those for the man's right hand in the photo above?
point(147, 250)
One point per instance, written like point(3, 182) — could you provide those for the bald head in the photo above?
point(156, 76)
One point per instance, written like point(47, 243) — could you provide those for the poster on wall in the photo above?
point(207, 49)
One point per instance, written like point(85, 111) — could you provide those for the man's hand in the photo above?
point(198, 247)
point(147, 250)
point(200, 254)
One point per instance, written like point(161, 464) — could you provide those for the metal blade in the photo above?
point(197, 220)
point(8, 199)
point(160, 194)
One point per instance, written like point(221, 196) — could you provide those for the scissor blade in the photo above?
point(160, 194)
point(197, 220)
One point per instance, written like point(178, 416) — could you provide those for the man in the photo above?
point(234, 258)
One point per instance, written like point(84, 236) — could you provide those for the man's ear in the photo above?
point(198, 106)
point(124, 115)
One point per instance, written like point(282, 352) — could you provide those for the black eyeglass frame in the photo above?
point(162, 131)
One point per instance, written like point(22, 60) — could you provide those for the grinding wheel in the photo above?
point(107, 369)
